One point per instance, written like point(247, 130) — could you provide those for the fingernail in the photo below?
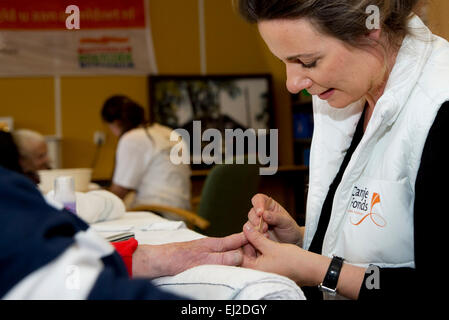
point(259, 210)
point(237, 258)
point(248, 227)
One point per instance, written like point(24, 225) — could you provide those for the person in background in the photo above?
point(33, 152)
point(376, 217)
point(142, 162)
point(47, 253)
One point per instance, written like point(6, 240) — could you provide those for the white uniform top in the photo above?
point(143, 164)
point(372, 212)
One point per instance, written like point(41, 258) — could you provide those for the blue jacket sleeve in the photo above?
point(34, 235)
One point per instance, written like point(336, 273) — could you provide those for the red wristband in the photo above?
point(126, 249)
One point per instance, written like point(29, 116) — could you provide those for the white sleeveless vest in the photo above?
point(372, 212)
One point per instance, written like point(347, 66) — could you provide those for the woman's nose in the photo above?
point(297, 81)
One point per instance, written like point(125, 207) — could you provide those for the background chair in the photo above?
point(225, 200)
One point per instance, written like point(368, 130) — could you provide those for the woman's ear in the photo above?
point(374, 34)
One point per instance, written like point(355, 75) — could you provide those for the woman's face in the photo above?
point(321, 64)
point(116, 128)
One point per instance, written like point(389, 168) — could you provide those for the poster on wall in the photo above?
point(82, 37)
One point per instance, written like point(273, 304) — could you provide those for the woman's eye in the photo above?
point(308, 65)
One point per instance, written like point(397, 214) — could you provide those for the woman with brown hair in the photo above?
point(142, 162)
point(380, 85)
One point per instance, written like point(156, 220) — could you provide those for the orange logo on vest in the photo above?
point(376, 218)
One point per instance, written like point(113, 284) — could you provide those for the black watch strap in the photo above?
point(330, 281)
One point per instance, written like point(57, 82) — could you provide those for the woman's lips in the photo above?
point(327, 94)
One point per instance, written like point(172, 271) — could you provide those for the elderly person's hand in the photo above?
point(152, 261)
point(277, 223)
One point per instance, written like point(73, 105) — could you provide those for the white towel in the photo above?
point(164, 226)
point(112, 228)
point(216, 282)
point(94, 206)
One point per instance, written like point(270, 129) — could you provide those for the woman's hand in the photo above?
point(277, 223)
point(151, 261)
point(303, 267)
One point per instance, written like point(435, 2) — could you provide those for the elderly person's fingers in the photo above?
point(173, 258)
point(231, 242)
point(228, 258)
point(249, 251)
point(224, 251)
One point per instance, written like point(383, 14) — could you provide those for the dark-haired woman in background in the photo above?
point(142, 161)
point(374, 226)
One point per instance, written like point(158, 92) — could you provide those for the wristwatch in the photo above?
point(330, 281)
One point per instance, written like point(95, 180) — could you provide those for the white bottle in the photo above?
point(65, 192)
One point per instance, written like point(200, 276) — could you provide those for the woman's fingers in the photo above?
point(258, 240)
point(259, 202)
point(255, 220)
point(276, 219)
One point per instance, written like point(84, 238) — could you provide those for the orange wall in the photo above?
point(175, 34)
point(438, 12)
point(82, 99)
point(30, 101)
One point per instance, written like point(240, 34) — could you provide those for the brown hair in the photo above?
point(342, 19)
point(121, 108)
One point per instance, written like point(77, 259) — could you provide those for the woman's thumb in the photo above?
point(276, 219)
point(257, 239)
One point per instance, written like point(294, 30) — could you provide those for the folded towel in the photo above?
point(164, 226)
point(94, 206)
point(107, 228)
point(216, 282)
